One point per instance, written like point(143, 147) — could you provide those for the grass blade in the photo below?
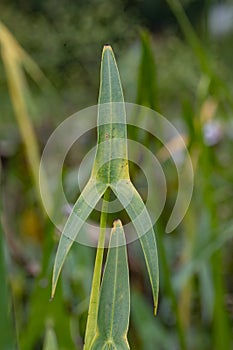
point(7, 338)
point(15, 60)
point(6, 326)
point(207, 64)
point(114, 304)
point(147, 93)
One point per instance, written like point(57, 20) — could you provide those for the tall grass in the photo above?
point(8, 338)
point(16, 61)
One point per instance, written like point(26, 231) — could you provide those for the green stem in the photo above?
point(94, 298)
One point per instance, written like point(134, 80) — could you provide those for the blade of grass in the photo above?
point(55, 311)
point(147, 94)
point(168, 286)
point(13, 58)
point(203, 254)
point(151, 333)
point(114, 304)
point(7, 339)
point(206, 62)
point(7, 39)
point(8, 336)
point(221, 328)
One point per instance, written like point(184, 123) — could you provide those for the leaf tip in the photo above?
point(107, 50)
point(54, 284)
point(107, 47)
point(117, 224)
point(52, 293)
point(155, 308)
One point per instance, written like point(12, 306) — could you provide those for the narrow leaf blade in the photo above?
point(133, 204)
point(111, 157)
point(81, 210)
point(114, 306)
point(147, 94)
point(50, 340)
point(7, 338)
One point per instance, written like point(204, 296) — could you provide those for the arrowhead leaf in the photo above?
point(110, 169)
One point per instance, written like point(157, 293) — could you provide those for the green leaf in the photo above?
point(110, 169)
point(111, 156)
point(203, 253)
point(81, 210)
point(114, 304)
point(8, 336)
point(50, 340)
point(153, 330)
point(111, 161)
point(147, 94)
point(111, 164)
point(15, 59)
point(207, 62)
point(136, 209)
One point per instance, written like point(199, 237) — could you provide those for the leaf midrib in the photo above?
point(110, 148)
point(114, 291)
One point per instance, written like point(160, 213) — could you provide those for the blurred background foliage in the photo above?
point(174, 56)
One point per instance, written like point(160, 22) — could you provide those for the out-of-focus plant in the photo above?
point(8, 335)
point(200, 252)
point(17, 64)
point(16, 61)
point(213, 91)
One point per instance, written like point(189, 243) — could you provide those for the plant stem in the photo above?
point(94, 297)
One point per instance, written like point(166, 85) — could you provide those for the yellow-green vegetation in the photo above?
point(174, 64)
